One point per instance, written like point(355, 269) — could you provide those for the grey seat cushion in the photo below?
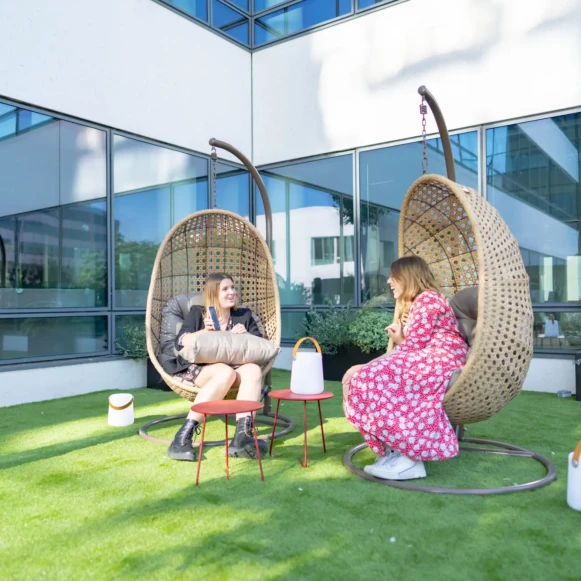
point(465, 306)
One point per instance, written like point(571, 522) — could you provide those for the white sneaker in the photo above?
point(380, 460)
point(398, 467)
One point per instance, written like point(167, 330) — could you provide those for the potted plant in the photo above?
point(328, 328)
point(133, 345)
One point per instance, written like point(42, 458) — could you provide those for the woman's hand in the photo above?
point(395, 332)
point(239, 329)
point(209, 324)
point(349, 373)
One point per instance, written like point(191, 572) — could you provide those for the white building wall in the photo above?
point(44, 383)
point(355, 84)
point(131, 65)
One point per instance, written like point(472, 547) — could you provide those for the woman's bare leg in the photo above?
point(249, 382)
point(216, 380)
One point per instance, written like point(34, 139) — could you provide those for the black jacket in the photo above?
point(194, 321)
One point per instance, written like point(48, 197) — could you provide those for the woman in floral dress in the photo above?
point(396, 400)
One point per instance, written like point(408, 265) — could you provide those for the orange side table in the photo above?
point(288, 395)
point(227, 408)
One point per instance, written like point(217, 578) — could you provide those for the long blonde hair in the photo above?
point(212, 291)
point(415, 277)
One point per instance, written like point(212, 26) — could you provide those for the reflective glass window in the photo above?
point(230, 21)
point(260, 5)
point(39, 337)
point(154, 188)
point(292, 325)
point(555, 330)
point(53, 215)
point(297, 17)
point(197, 8)
point(385, 176)
point(233, 191)
point(313, 229)
point(533, 172)
point(367, 3)
point(127, 324)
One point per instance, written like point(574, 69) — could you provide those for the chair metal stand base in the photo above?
point(262, 419)
point(501, 448)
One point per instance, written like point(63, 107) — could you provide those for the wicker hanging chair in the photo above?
point(205, 242)
point(467, 244)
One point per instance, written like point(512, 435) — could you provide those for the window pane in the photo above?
point(52, 336)
point(233, 190)
point(223, 15)
point(241, 4)
point(53, 215)
point(557, 330)
point(8, 125)
point(154, 188)
point(533, 173)
point(292, 325)
point(312, 207)
point(385, 176)
point(297, 17)
point(366, 3)
point(239, 32)
point(260, 5)
point(197, 8)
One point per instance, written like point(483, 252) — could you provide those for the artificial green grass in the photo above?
point(81, 500)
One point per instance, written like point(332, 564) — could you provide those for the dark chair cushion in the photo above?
point(465, 306)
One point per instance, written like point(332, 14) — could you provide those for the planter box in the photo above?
point(335, 366)
point(154, 380)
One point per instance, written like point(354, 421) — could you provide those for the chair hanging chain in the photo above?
point(214, 157)
point(424, 112)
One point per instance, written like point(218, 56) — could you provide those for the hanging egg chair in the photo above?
point(204, 242)
point(477, 264)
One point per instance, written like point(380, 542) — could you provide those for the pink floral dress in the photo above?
point(397, 401)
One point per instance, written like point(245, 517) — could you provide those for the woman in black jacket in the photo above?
point(216, 379)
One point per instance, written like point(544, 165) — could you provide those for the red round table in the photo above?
point(288, 395)
point(227, 408)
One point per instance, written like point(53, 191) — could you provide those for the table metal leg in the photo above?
point(322, 432)
point(274, 427)
point(258, 455)
point(304, 463)
point(227, 465)
point(201, 450)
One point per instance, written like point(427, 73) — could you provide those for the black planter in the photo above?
point(154, 380)
point(335, 366)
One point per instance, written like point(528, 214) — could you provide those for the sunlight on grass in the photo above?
point(88, 501)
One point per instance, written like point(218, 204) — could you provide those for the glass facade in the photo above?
point(269, 20)
point(385, 175)
point(313, 229)
point(83, 210)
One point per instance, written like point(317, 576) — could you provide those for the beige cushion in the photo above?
point(226, 347)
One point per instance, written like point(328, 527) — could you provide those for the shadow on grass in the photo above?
point(62, 448)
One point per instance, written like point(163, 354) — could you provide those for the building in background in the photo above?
point(105, 115)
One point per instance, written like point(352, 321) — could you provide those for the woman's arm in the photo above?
point(193, 323)
point(428, 309)
point(251, 325)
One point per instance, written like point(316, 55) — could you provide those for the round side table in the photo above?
point(227, 408)
point(288, 395)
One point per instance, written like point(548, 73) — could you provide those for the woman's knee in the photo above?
point(250, 372)
point(223, 373)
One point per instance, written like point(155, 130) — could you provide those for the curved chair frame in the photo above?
point(459, 234)
point(231, 240)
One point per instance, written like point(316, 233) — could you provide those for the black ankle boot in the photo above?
point(181, 447)
point(242, 445)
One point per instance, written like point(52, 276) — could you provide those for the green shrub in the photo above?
point(367, 331)
point(327, 327)
point(133, 345)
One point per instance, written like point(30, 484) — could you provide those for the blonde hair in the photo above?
point(415, 277)
point(212, 291)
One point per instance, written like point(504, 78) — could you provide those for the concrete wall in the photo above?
point(355, 84)
point(28, 385)
point(132, 65)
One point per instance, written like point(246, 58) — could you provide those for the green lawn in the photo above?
point(81, 500)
